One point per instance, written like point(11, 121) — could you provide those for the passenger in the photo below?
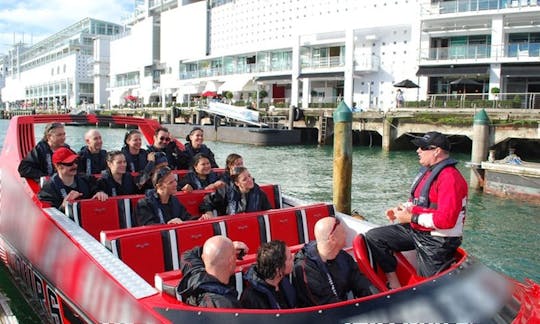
point(115, 181)
point(431, 222)
point(269, 286)
point(136, 156)
point(92, 158)
point(38, 163)
point(159, 205)
point(323, 272)
point(207, 272)
point(233, 161)
point(195, 145)
point(156, 160)
point(201, 176)
point(163, 142)
point(66, 185)
point(245, 196)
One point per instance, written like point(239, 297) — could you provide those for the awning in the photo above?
point(188, 88)
point(322, 75)
point(285, 77)
point(211, 86)
point(452, 70)
point(235, 84)
point(521, 71)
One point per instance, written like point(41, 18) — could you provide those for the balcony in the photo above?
point(467, 52)
point(523, 50)
point(459, 6)
point(323, 62)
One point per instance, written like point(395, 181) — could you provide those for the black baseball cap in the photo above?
point(432, 139)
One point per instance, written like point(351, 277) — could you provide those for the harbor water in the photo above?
point(502, 233)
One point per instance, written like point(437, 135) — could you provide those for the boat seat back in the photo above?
point(192, 200)
point(95, 216)
point(273, 192)
point(143, 252)
point(311, 215)
point(365, 262)
point(249, 228)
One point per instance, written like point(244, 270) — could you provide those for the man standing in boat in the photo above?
point(38, 163)
point(431, 222)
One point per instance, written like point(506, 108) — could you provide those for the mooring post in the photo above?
point(342, 158)
point(480, 146)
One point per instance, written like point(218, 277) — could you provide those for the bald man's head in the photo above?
point(93, 140)
point(330, 236)
point(219, 256)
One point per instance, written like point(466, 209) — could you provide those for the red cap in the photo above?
point(64, 155)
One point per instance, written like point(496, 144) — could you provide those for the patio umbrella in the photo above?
point(406, 84)
point(209, 94)
point(464, 82)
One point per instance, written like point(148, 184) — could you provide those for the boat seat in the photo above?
point(273, 192)
point(310, 216)
point(365, 262)
point(249, 228)
point(189, 235)
point(192, 201)
point(94, 215)
point(143, 252)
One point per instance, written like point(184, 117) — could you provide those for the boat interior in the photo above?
point(154, 251)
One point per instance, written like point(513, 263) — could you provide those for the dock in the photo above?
point(518, 181)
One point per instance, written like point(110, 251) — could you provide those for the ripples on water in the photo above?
point(503, 233)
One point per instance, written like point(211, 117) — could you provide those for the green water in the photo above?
point(503, 234)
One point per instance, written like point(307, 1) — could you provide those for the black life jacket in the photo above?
point(253, 198)
point(45, 151)
point(176, 209)
point(423, 199)
point(135, 163)
point(125, 188)
point(89, 164)
point(82, 186)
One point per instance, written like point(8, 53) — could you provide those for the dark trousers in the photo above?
point(434, 253)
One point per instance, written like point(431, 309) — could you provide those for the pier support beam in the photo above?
point(388, 134)
point(480, 146)
point(342, 176)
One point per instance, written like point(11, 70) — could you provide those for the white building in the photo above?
point(309, 53)
point(303, 52)
point(495, 43)
point(57, 72)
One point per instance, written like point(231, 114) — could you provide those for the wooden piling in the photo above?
point(342, 175)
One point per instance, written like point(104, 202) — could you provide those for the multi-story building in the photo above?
point(57, 72)
point(300, 52)
point(309, 53)
point(492, 45)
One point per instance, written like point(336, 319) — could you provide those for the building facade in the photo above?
point(57, 72)
point(306, 53)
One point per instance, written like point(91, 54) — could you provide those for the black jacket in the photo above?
point(92, 163)
point(198, 288)
point(150, 210)
point(314, 286)
point(176, 158)
point(191, 152)
point(54, 191)
point(38, 162)
point(197, 183)
point(227, 201)
point(135, 163)
point(112, 188)
point(260, 295)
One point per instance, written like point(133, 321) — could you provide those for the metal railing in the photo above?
point(451, 7)
point(482, 51)
point(529, 100)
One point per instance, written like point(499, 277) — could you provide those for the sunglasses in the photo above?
point(164, 139)
point(428, 148)
point(334, 227)
point(52, 126)
point(70, 163)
